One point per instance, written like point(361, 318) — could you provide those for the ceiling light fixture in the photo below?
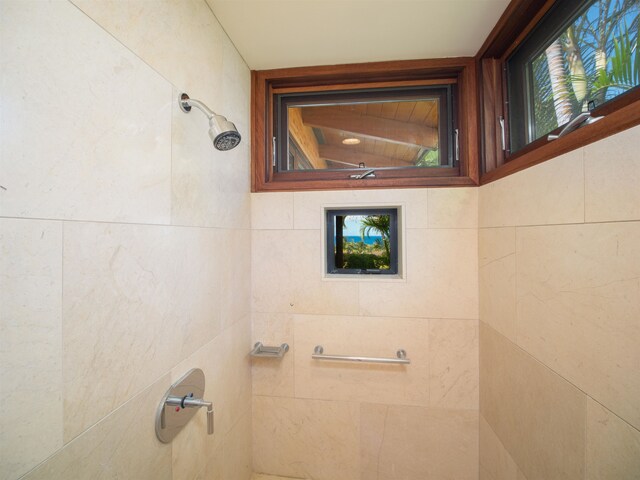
point(351, 141)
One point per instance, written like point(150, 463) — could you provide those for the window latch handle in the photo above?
point(367, 174)
point(584, 118)
point(502, 134)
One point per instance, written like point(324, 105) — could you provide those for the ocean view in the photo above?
point(370, 240)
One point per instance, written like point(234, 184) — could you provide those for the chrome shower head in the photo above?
point(223, 133)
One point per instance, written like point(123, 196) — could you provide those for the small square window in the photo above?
point(362, 241)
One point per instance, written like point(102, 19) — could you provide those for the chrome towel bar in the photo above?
point(401, 357)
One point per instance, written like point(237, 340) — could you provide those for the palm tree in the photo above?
point(595, 59)
point(559, 84)
point(381, 224)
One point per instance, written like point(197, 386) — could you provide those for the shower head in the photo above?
point(223, 133)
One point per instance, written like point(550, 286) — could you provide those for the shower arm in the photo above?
point(186, 103)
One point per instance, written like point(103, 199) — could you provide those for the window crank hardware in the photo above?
point(584, 118)
point(362, 176)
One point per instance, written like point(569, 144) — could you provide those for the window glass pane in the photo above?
point(365, 242)
point(386, 128)
point(594, 59)
point(362, 241)
point(367, 135)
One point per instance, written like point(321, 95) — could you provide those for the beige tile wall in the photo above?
point(560, 316)
point(331, 421)
point(125, 241)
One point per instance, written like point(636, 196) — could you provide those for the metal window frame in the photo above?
point(330, 222)
point(519, 81)
point(447, 119)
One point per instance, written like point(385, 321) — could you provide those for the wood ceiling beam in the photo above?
point(305, 138)
point(348, 155)
point(376, 128)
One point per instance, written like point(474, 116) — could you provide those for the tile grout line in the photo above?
point(553, 372)
point(586, 423)
point(584, 219)
point(532, 225)
point(501, 442)
point(428, 347)
point(626, 422)
point(515, 281)
point(109, 222)
point(119, 42)
point(227, 35)
point(171, 159)
point(584, 186)
point(62, 387)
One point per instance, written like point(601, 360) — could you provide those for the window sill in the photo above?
point(331, 277)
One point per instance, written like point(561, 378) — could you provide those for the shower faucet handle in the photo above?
point(189, 402)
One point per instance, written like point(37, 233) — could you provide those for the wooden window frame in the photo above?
point(519, 18)
point(267, 83)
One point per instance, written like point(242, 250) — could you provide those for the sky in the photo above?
point(352, 226)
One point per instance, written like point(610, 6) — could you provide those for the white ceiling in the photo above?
point(292, 33)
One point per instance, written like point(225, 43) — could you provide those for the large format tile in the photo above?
point(441, 278)
point(226, 367)
point(309, 206)
point(495, 461)
point(259, 476)
point(272, 211)
point(287, 275)
point(497, 252)
point(210, 188)
point(537, 415)
point(306, 438)
point(453, 364)
point(138, 299)
point(613, 446)
point(237, 449)
point(30, 343)
point(362, 336)
point(213, 468)
point(579, 307)
point(122, 445)
point(414, 443)
point(549, 193)
point(86, 125)
point(181, 40)
point(273, 376)
point(236, 85)
point(453, 207)
point(612, 176)
point(186, 44)
point(234, 288)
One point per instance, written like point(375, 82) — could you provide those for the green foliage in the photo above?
point(624, 72)
point(600, 53)
point(430, 158)
point(381, 224)
point(364, 261)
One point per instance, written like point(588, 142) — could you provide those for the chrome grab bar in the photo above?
point(260, 350)
point(401, 357)
point(584, 117)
